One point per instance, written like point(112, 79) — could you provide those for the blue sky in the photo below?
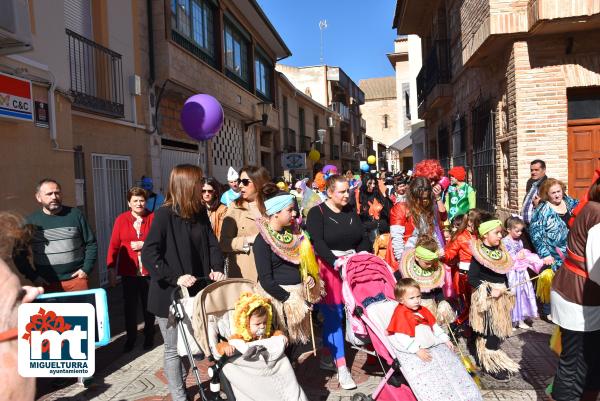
point(359, 33)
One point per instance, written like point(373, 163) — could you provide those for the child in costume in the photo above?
point(458, 256)
point(461, 197)
point(258, 373)
point(413, 330)
point(253, 320)
point(413, 324)
point(491, 302)
point(518, 278)
point(423, 265)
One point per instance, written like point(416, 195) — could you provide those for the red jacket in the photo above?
point(458, 249)
point(120, 253)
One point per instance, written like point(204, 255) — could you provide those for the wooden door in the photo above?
point(584, 155)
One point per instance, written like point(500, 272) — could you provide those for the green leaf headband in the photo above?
point(488, 226)
point(425, 254)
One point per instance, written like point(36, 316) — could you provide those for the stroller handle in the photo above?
point(177, 294)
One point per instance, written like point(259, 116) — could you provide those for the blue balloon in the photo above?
point(364, 166)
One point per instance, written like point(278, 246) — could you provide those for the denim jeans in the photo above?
point(176, 368)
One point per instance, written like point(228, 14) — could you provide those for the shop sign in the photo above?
point(15, 98)
point(293, 161)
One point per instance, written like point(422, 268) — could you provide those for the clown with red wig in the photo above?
point(461, 197)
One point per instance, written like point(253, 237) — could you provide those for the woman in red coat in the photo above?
point(123, 258)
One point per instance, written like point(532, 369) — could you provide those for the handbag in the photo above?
point(187, 305)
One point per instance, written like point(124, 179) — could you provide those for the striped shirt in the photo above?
point(62, 244)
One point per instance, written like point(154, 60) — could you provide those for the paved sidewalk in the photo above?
point(138, 375)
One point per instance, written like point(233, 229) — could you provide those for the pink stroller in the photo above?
point(368, 290)
point(368, 279)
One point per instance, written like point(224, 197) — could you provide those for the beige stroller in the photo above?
point(259, 370)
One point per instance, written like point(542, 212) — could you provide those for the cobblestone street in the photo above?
point(139, 375)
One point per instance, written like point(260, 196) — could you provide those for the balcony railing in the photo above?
point(96, 76)
point(304, 143)
point(436, 69)
point(289, 140)
point(341, 109)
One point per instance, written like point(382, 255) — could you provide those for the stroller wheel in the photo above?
point(360, 397)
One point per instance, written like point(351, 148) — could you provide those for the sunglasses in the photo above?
point(208, 191)
point(245, 182)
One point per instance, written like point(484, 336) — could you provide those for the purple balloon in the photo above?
point(202, 117)
point(327, 169)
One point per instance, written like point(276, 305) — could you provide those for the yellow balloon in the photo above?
point(314, 155)
point(371, 159)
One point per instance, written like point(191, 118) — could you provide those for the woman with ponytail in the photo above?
point(287, 269)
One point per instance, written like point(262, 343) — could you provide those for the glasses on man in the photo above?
point(245, 181)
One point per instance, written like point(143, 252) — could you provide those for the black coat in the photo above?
point(167, 254)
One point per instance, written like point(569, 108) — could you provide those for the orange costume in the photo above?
point(457, 255)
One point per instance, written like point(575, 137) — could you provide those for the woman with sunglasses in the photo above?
point(239, 228)
point(211, 193)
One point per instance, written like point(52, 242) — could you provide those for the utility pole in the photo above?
point(322, 27)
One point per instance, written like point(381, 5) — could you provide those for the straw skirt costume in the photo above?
point(490, 317)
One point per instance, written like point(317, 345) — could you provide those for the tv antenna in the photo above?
point(322, 27)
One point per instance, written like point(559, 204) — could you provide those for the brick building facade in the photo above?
point(226, 49)
point(506, 82)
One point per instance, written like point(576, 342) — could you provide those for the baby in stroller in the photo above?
point(257, 365)
point(413, 326)
point(253, 321)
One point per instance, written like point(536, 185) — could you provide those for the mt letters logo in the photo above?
point(56, 340)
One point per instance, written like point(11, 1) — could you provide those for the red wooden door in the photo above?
point(584, 156)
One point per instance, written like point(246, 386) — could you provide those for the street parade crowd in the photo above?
point(402, 264)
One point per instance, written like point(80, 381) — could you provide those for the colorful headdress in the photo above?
point(430, 169)
point(320, 182)
point(244, 307)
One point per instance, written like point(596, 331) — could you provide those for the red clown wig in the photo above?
point(430, 169)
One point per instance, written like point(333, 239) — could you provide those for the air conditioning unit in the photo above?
point(15, 31)
point(331, 122)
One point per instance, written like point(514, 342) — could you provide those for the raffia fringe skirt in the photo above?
point(293, 315)
point(491, 315)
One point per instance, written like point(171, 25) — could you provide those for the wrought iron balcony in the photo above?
point(341, 109)
point(96, 76)
point(435, 70)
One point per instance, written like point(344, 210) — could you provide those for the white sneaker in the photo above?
point(345, 378)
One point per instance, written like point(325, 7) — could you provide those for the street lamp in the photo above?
point(266, 109)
